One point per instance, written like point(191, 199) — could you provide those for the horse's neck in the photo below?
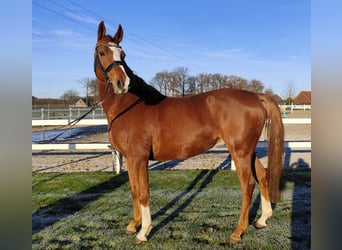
point(107, 98)
point(113, 104)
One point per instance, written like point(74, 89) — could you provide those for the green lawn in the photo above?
point(195, 209)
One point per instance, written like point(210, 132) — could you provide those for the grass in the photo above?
point(191, 209)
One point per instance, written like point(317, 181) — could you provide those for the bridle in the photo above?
point(105, 71)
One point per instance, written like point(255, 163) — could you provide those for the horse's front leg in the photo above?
point(138, 175)
point(136, 221)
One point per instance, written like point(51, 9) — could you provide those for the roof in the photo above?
point(304, 97)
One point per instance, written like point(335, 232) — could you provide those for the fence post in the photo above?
point(116, 160)
point(70, 114)
point(42, 114)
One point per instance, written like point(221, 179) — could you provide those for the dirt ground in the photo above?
point(215, 158)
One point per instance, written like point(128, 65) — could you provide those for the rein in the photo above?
point(139, 100)
point(74, 122)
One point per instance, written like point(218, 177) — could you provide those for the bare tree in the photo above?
point(289, 93)
point(70, 96)
point(91, 90)
point(206, 82)
point(174, 86)
point(269, 91)
point(181, 76)
point(237, 82)
point(256, 86)
point(192, 85)
point(161, 81)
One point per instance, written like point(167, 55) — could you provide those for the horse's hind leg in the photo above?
point(265, 198)
point(247, 183)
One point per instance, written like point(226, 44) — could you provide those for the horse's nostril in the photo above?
point(120, 83)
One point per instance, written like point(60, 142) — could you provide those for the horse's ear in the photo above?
point(101, 31)
point(118, 35)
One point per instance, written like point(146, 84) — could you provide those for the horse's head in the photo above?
point(109, 60)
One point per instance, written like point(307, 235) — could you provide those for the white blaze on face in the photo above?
point(117, 57)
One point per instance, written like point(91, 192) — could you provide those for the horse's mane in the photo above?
point(140, 88)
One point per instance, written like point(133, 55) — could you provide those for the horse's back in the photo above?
point(190, 125)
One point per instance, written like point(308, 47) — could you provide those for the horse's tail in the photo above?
point(275, 135)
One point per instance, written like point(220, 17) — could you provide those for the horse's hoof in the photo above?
point(233, 239)
point(259, 226)
point(137, 241)
point(129, 232)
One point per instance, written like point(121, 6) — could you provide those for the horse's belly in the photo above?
point(183, 145)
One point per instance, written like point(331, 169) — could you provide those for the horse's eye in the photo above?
point(102, 53)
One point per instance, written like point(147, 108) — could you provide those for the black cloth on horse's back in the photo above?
point(140, 88)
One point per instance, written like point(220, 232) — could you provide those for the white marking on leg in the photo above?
point(266, 212)
point(146, 223)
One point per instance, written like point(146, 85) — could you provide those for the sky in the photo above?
point(265, 40)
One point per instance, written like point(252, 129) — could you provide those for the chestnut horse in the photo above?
point(143, 124)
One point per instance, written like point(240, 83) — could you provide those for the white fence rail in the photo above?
point(292, 107)
point(74, 112)
point(103, 146)
point(92, 122)
point(107, 146)
point(117, 158)
point(67, 113)
point(64, 122)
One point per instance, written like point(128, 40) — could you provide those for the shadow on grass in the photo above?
point(50, 214)
point(301, 205)
point(299, 173)
point(207, 178)
point(300, 209)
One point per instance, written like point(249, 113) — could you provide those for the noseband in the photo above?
point(105, 71)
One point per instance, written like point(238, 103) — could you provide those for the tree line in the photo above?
point(177, 82)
